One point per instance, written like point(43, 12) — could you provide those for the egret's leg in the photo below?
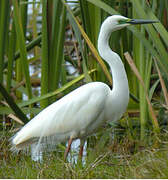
point(68, 148)
point(82, 142)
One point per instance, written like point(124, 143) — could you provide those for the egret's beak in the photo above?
point(141, 21)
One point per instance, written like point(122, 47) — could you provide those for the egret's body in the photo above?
point(84, 110)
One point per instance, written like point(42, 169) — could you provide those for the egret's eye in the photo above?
point(123, 21)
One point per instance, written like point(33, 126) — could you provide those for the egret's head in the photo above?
point(117, 22)
point(113, 23)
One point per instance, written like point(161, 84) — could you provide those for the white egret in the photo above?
point(81, 112)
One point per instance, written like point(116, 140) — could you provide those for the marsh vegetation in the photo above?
point(48, 48)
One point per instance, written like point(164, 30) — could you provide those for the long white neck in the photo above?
point(120, 90)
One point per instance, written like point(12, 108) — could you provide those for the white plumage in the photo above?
point(84, 110)
point(77, 109)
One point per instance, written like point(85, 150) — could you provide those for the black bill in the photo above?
point(141, 21)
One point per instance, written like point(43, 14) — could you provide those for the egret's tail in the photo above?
point(22, 140)
point(19, 142)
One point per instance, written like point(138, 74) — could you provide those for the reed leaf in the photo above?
point(135, 70)
point(4, 15)
point(30, 45)
point(60, 49)
point(13, 105)
point(153, 88)
point(44, 66)
point(162, 83)
point(12, 47)
point(22, 46)
point(57, 16)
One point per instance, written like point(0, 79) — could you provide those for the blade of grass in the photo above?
point(22, 47)
point(23, 8)
point(60, 49)
point(33, 22)
point(44, 65)
point(152, 89)
point(4, 14)
point(135, 70)
point(25, 110)
point(30, 46)
point(12, 116)
point(143, 104)
point(56, 50)
point(162, 83)
point(12, 46)
point(13, 105)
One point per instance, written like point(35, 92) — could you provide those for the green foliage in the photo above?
point(122, 158)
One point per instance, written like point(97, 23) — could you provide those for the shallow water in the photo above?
point(72, 156)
